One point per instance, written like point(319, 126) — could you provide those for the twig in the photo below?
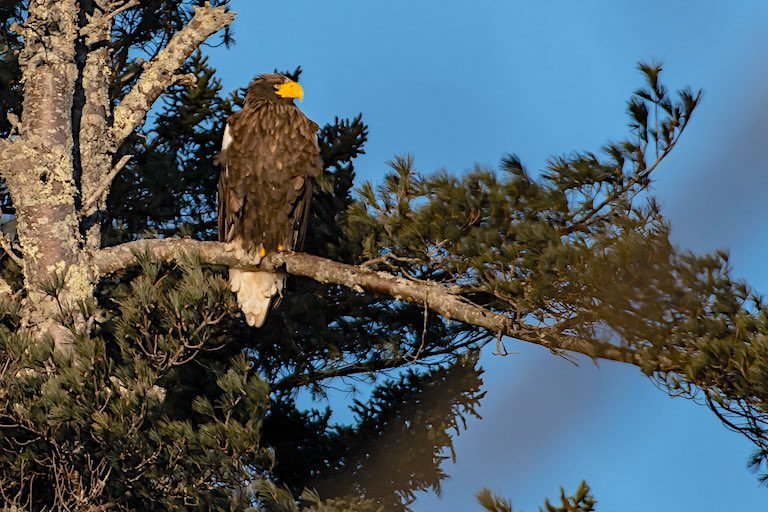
point(385, 259)
point(7, 246)
point(423, 332)
point(9, 250)
point(14, 121)
point(501, 349)
point(105, 184)
point(123, 8)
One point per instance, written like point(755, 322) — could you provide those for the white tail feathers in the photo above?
point(255, 291)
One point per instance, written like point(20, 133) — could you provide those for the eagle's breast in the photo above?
point(269, 156)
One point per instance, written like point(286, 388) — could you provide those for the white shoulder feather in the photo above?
point(227, 140)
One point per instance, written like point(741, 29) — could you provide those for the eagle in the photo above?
point(269, 156)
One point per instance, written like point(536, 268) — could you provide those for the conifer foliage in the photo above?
point(100, 427)
point(164, 399)
point(582, 501)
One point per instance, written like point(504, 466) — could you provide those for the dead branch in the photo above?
point(128, 5)
point(160, 72)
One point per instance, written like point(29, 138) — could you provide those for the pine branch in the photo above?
point(299, 379)
point(159, 73)
point(437, 298)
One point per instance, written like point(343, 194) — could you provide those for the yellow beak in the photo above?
point(290, 89)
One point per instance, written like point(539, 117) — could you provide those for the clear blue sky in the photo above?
point(459, 83)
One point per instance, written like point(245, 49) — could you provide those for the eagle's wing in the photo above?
point(221, 160)
point(301, 214)
point(265, 188)
point(222, 207)
point(230, 202)
point(304, 183)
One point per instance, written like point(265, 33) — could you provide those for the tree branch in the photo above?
point(128, 5)
point(159, 73)
point(435, 297)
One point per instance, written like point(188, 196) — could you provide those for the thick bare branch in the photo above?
point(159, 73)
point(434, 296)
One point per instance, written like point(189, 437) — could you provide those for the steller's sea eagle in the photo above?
point(268, 158)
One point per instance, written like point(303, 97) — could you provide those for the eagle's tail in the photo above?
point(255, 291)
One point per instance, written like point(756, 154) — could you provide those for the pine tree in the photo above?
point(130, 380)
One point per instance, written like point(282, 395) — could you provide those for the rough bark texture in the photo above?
point(438, 298)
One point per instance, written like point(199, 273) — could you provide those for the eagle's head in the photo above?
point(274, 88)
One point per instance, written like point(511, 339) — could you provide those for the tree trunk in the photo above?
point(39, 172)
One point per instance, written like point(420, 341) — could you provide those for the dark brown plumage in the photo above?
point(268, 159)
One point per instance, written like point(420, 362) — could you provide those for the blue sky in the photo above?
point(460, 83)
